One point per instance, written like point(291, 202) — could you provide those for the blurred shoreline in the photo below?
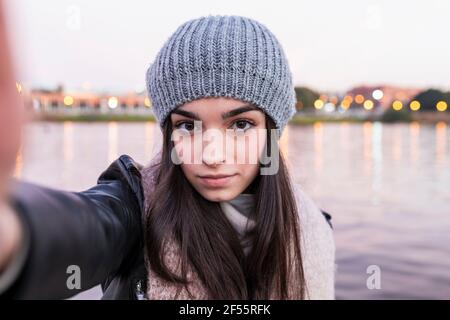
point(299, 119)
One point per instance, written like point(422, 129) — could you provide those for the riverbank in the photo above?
point(95, 117)
point(299, 119)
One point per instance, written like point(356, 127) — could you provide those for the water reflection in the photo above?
point(113, 135)
point(414, 129)
point(318, 154)
point(377, 159)
point(441, 135)
point(367, 148)
point(397, 144)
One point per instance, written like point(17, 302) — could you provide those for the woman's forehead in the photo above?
point(215, 108)
point(212, 102)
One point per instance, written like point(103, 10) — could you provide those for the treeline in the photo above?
point(428, 99)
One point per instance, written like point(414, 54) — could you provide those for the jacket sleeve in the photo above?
point(78, 239)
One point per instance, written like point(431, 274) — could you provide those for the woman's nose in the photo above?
point(213, 149)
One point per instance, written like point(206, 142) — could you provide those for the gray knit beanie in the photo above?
point(222, 56)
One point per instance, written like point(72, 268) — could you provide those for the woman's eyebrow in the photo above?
point(234, 112)
point(225, 115)
point(188, 114)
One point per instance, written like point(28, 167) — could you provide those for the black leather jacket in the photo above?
point(99, 230)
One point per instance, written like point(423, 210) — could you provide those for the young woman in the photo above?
point(215, 215)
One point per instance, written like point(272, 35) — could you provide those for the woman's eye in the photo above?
point(241, 125)
point(237, 126)
point(188, 126)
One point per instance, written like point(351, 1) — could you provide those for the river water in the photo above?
point(387, 187)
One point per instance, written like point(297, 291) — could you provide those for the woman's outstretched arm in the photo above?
point(75, 240)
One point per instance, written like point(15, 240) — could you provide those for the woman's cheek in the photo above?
point(186, 151)
point(248, 174)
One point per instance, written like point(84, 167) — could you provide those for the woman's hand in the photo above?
point(11, 117)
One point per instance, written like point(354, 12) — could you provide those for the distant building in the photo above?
point(58, 101)
point(383, 96)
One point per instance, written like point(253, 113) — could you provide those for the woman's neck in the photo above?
point(244, 204)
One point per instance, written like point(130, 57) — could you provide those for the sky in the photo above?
point(106, 45)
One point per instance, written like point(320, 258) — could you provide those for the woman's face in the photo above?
point(219, 142)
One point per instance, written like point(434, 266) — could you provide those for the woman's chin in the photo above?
point(218, 195)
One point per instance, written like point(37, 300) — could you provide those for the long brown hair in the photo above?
point(208, 242)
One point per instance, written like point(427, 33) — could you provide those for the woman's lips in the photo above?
point(216, 181)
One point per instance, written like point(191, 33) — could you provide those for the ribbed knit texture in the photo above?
point(222, 56)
